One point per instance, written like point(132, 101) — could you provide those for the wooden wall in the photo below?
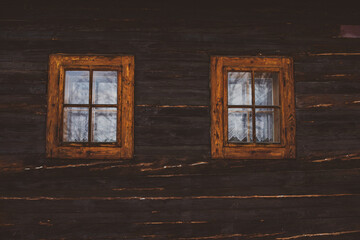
point(172, 189)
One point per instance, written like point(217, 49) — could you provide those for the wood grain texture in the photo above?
point(173, 188)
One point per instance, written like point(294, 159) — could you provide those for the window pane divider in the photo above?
point(90, 106)
point(253, 105)
point(250, 106)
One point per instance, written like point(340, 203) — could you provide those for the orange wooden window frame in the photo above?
point(220, 148)
point(124, 146)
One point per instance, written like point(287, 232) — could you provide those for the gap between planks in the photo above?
point(318, 235)
point(227, 236)
point(334, 54)
point(178, 198)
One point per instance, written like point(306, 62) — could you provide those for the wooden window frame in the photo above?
point(220, 148)
point(123, 148)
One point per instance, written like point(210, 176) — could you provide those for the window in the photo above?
point(252, 108)
point(90, 107)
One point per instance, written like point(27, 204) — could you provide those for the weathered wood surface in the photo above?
point(219, 108)
point(172, 189)
point(125, 108)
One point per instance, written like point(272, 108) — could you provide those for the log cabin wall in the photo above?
point(172, 189)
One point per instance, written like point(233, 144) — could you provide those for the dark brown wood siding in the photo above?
point(172, 189)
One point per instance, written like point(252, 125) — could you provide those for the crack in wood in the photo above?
point(173, 175)
point(353, 102)
point(321, 105)
point(336, 75)
point(335, 54)
point(46, 223)
point(150, 236)
point(122, 166)
point(160, 168)
point(178, 198)
point(176, 222)
point(71, 165)
point(139, 189)
point(6, 224)
point(198, 163)
point(354, 156)
point(226, 236)
point(318, 234)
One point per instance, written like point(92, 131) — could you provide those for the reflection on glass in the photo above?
point(104, 87)
point(240, 125)
point(239, 88)
point(104, 124)
point(75, 124)
point(266, 88)
point(267, 121)
point(76, 87)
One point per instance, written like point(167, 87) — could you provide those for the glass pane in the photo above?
point(104, 124)
point(266, 88)
point(75, 124)
point(104, 87)
point(267, 121)
point(240, 125)
point(239, 88)
point(76, 87)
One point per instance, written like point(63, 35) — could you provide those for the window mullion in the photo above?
point(253, 104)
point(90, 107)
